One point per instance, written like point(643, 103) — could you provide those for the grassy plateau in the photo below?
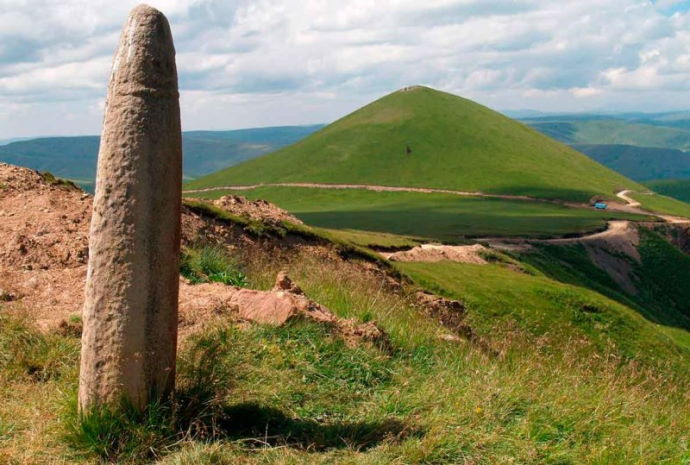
point(441, 217)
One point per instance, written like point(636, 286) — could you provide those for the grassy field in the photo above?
point(427, 138)
point(578, 381)
point(676, 188)
point(657, 281)
point(440, 217)
point(371, 239)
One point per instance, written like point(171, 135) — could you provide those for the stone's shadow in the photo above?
point(260, 425)
point(201, 412)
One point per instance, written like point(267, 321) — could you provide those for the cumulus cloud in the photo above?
point(263, 62)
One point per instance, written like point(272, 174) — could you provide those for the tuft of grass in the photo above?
point(125, 434)
point(50, 178)
point(29, 355)
point(211, 263)
point(193, 413)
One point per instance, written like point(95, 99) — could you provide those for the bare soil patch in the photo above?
point(437, 253)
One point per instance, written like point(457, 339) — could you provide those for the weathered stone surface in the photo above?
point(130, 311)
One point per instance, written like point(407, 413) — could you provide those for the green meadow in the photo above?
point(571, 377)
point(440, 217)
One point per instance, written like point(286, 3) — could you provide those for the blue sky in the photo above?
point(278, 62)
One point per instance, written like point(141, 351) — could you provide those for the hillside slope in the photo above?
point(640, 163)
point(204, 151)
point(420, 137)
point(676, 188)
point(521, 368)
point(597, 129)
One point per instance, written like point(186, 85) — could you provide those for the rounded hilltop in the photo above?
point(422, 137)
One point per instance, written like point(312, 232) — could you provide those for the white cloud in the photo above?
point(585, 92)
point(261, 62)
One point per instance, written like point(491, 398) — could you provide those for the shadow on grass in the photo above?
point(260, 425)
point(199, 411)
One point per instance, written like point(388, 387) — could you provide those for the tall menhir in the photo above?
point(130, 312)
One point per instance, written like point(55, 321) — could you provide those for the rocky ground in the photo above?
point(44, 226)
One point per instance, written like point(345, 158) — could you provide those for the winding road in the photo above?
point(623, 195)
point(616, 228)
point(630, 206)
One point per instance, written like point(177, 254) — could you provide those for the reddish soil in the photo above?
point(44, 251)
point(259, 210)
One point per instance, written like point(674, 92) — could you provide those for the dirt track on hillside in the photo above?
point(369, 187)
point(630, 206)
point(629, 200)
point(619, 233)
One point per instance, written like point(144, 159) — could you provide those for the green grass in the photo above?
point(440, 217)
point(662, 203)
point(677, 188)
point(209, 263)
point(427, 138)
point(546, 308)
point(339, 241)
point(573, 384)
point(658, 285)
point(640, 163)
point(376, 240)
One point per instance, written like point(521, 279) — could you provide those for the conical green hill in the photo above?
point(421, 137)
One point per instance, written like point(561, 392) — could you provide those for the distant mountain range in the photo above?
point(640, 163)
point(597, 129)
point(204, 151)
point(15, 139)
point(652, 148)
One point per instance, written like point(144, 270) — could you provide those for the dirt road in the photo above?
point(617, 231)
point(614, 229)
point(629, 200)
point(630, 205)
point(369, 187)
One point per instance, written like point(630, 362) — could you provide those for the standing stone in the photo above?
point(130, 312)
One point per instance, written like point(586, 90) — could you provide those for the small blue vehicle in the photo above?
point(600, 206)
